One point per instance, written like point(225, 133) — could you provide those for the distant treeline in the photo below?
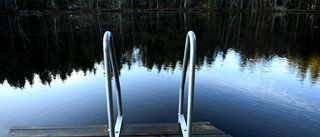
point(97, 5)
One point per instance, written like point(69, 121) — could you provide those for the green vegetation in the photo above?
point(100, 5)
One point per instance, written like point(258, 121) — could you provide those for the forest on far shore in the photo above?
point(100, 5)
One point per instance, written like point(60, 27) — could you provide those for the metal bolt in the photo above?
point(184, 130)
point(117, 132)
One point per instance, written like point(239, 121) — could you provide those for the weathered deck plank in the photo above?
point(63, 131)
point(199, 129)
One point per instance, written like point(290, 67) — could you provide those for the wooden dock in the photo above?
point(199, 129)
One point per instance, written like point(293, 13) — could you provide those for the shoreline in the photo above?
point(156, 10)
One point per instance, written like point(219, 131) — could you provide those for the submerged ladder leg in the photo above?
point(186, 127)
point(110, 60)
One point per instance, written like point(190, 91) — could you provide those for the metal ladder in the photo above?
point(110, 60)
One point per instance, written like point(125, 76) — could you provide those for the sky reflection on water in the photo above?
point(243, 86)
point(266, 101)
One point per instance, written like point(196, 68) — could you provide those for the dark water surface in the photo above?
point(257, 74)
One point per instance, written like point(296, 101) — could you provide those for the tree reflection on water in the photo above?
point(53, 46)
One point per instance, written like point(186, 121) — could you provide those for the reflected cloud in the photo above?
point(277, 87)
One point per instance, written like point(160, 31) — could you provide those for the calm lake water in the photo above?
point(257, 74)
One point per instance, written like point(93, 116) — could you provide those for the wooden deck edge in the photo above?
point(199, 129)
point(57, 127)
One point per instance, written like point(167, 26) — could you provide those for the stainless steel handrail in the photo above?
point(110, 59)
point(186, 127)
